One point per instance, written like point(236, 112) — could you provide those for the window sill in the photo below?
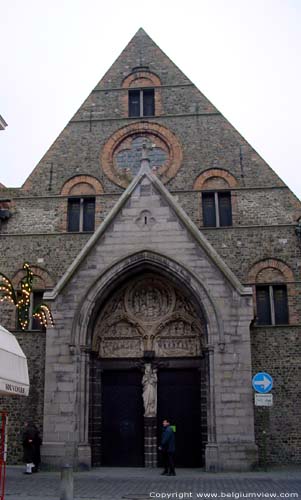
point(284, 325)
point(80, 232)
point(215, 227)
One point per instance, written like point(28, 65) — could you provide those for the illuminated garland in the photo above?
point(42, 312)
point(24, 302)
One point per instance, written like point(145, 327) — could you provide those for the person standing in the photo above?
point(28, 437)
point(37, 441)
point(168, 448)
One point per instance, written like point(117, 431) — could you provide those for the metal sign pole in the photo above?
point(264, 438)
point(262, 383)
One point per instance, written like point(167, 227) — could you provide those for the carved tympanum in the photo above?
point(148, 314)
point(149, 299)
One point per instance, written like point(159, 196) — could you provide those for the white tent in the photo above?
point(14, 378)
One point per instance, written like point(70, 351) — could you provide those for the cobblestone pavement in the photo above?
point(145, 484)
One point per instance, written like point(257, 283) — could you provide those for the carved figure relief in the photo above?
point(148, 314)
point(149, 383)
point(150, 299)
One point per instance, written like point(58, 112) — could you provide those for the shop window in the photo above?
point(81, 214)
point(141, 102)
point(271, 305)
point(217, 211)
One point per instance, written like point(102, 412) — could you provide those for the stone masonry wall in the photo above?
point(213, 143)
point(277, 351)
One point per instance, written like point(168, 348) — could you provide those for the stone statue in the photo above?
point(149, 382)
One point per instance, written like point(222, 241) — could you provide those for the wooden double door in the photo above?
point(122, 422)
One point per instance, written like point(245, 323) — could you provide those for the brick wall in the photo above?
point(277, 351)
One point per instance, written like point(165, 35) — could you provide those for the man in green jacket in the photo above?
point(168, 448)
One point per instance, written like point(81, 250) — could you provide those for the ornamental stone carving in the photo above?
point(129, 348)
point(150, 299)
point(177, 347)
point(149, 314)
point(145, 221)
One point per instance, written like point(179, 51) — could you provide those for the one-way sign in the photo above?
point(262, 382)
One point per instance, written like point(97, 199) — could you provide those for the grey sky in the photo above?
point(244, 55)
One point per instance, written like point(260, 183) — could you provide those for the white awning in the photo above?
point(14, 378)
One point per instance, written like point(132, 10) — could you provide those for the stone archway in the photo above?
point(225, 310)
point(148, 322)
point(89, 369)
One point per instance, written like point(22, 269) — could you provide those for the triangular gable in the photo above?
point(141, 52)
point(182, 216)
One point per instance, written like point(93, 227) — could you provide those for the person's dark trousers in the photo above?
point(165, 461)
point(171, 463)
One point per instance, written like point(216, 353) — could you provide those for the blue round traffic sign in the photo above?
point(262, 382)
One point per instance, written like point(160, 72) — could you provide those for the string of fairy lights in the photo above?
point(22, 299)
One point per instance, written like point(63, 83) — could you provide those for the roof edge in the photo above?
point(188, 223)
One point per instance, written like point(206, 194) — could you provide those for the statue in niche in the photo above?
point(149, 382)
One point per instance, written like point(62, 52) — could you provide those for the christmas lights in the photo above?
point(42, 312)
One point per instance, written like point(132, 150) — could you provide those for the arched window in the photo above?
point(141, 102)
point(272, 283)
point(81, 206)
point(216, 197)
point(143, 93)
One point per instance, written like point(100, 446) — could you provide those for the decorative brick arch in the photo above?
point(275, 264)
point(164, 136)
point(140, 79)
point(201, 180)
point(86, 183)
point(44, 280)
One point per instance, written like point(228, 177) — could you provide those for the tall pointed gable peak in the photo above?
point(141, 35)
point(146, 177)
point(141, 32)
point(142, 52)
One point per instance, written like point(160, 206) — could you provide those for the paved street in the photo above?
point(144, 484)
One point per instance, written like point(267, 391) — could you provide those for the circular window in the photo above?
point(121, 155)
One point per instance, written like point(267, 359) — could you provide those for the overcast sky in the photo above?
point(244, 55)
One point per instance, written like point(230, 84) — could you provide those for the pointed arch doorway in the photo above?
point(149, 321)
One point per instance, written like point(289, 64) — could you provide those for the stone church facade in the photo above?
point(165, 246)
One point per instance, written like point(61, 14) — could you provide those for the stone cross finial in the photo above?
point(145, 150)
point(145, 161)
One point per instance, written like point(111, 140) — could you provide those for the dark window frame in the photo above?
point(217, 208)
point(141, 102)
point(267, 298)
point(79, 220)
